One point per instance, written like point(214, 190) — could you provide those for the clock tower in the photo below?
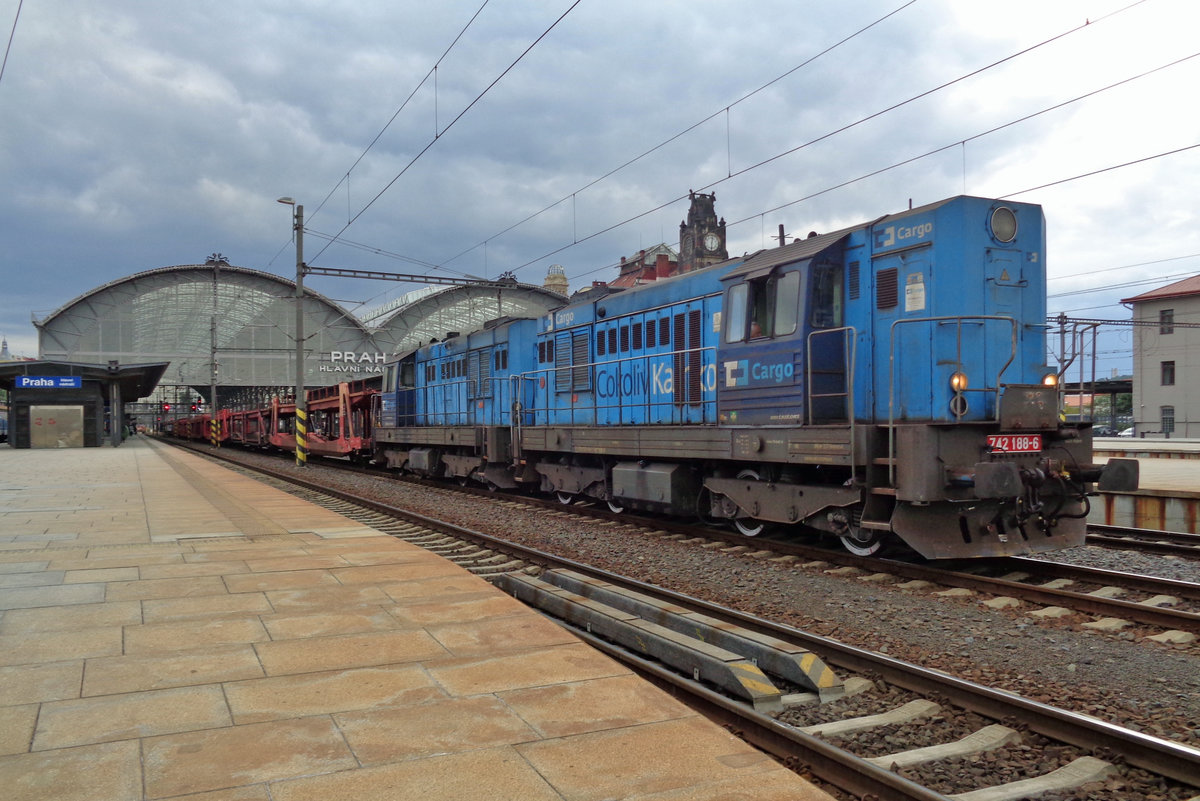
point(701, 235)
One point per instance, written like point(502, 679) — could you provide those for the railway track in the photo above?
point(1172, 543)
point(858, 720)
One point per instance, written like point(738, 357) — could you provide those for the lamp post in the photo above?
point(215, 261)
point(301, 406)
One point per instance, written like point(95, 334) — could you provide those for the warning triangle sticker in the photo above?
point(1004, 275)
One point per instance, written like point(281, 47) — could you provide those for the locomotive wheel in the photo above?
point(749, 526)
point(862, 541)
point(565, 498)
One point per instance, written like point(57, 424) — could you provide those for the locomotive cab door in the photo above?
point(780, 308)
point(761, 362)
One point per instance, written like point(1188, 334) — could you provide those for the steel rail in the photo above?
point(1145, 540)
point(790, 745)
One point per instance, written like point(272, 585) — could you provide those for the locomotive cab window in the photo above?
point(826, 297)
point(735, 329)
point(764, 307)
point(786, 291)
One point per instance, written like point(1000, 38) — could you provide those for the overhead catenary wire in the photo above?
point(959, 143)
point(432, 73)
point(1123, 267)
point(12, 33)
point(913, 159)
point(1057, 37)
point(437, 137)
point(674, 137)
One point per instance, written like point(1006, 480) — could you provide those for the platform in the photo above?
point(171, 629)
point(1168, 496)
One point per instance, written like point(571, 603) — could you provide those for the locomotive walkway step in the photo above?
point(788, 661)
point(704, 661)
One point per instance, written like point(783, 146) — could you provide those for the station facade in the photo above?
point(233, 329)
point(1166, 360)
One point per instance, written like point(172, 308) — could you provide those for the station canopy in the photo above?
point(233, 326)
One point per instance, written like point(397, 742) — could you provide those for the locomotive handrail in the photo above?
point(849, 335)
point(958, 320)
point(515, 414)
point(1078, 351)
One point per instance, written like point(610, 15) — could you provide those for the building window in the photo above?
point(1168, 374)
point(1167, 413)
point(1166, 321)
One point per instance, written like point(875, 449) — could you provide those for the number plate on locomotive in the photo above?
point(1015, 443)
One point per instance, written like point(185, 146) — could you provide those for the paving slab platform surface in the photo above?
point(171, 629)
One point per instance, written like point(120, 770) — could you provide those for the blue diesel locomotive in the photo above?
point(884, 382)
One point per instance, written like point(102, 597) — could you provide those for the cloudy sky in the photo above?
point(137, 134)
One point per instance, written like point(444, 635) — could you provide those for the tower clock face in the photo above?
point(712, 241)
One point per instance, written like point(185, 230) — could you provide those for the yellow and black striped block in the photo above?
point(301, 437)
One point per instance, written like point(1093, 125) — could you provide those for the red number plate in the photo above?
point(1015, 443)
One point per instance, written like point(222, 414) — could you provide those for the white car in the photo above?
point(1126, 433)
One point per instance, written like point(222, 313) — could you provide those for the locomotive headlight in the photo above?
point(1050, 380)
point(1003, 224)
point(958, 381)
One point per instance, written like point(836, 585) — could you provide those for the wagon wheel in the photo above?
point(615, 507)
point(749, 526)
point(565, 498)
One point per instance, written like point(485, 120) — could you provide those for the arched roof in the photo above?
point(460, 308)
point(240, 324)
point(175, 314)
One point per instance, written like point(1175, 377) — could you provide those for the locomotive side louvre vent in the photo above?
point(474, 389)
point(679, 386)
point(695, 356)
point(887, 288)
point(612, 340)
point(624, 339)
point(601, 338)
point(854, 291)
point(581, 373)
point(688, 361)
point(664, 331)
point(562, 362)
point(637, 336)
point(485, 377)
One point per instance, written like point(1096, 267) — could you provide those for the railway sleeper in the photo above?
point(798, 665)
point(989, 738)
point(703, 661)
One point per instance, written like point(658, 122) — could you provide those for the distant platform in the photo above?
point(1168, 497)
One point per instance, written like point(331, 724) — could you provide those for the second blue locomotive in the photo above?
point(887, 381)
